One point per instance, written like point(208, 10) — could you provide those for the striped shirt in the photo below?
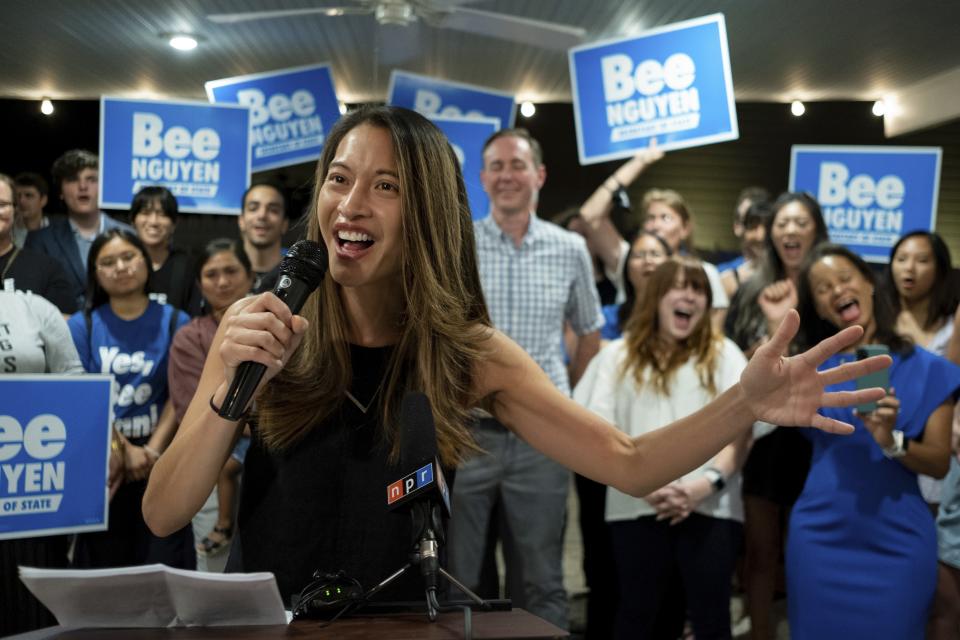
point(532, 290)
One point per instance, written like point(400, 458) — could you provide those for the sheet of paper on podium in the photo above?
point(155, 596)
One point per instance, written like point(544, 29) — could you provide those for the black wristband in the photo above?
point(216, 410)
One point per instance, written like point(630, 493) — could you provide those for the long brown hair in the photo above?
point(647, 350)
point(445, 316)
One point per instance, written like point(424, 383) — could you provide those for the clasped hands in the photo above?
point(128, 462)
point(676, 501)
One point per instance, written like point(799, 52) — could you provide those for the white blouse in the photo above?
point(638, 410)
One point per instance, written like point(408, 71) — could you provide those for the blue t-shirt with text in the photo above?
point(135, 352)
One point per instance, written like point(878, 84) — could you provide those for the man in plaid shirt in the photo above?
point(536, 277)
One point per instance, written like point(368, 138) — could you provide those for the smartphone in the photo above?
point(877, 378)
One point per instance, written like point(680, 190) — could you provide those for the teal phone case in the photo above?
point(877, 378)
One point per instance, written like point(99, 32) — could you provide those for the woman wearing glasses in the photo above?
point(124, 333)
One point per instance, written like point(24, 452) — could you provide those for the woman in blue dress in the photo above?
point(862, 545)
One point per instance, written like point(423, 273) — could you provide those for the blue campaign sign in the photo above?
point(466, 136)
point(54, 443)
point(199, 151)
point(432, 97)
point(870, 196)
point(672, 83)
point(291, 112)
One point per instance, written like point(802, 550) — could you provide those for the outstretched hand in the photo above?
point(789, 391)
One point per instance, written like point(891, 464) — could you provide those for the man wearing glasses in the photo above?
point(26, 270)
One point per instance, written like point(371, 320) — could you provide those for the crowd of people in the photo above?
point(663, 382)
point(86, 292)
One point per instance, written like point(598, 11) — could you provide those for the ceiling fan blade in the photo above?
point(549, 35)
point(247, 16)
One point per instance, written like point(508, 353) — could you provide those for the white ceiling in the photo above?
point(780, 49)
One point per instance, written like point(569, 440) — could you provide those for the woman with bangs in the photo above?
point(153, 213)
point(669, 364)
point(403, 310)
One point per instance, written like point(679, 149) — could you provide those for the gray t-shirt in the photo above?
point(34, 337)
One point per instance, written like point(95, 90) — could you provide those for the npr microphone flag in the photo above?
point(428, 478)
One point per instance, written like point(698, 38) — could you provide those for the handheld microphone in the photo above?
point(301, 271)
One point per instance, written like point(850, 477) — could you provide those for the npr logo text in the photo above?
point(419, 479)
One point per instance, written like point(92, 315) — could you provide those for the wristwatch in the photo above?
point(899, 447)
point(715, 478)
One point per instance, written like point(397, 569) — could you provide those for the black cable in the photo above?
point(329, 622)
point(310, 592)
point(303, 603)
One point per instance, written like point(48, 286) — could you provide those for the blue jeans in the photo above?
point(532, 490)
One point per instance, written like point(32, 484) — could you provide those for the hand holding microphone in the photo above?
point(262, 332)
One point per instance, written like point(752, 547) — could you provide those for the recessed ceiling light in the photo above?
point(183, 42)
point(46, 106)
point(527, 109)
point(879, 108)
point(797, 108)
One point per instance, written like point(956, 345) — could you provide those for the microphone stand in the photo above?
point(427, 538)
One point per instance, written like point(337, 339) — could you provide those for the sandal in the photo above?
point(210, 547)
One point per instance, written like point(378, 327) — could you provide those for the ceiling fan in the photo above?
point(444, 14)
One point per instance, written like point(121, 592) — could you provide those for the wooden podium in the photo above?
point(402, 626)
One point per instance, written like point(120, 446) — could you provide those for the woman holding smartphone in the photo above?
point(862, 545)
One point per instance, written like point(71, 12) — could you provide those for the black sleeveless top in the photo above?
point(321, 504)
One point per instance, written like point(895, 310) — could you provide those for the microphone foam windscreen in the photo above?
point(418, 433)
point(306, 261)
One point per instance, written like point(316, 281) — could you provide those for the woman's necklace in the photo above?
point(365, 408)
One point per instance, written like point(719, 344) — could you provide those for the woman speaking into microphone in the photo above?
point(401, 309)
